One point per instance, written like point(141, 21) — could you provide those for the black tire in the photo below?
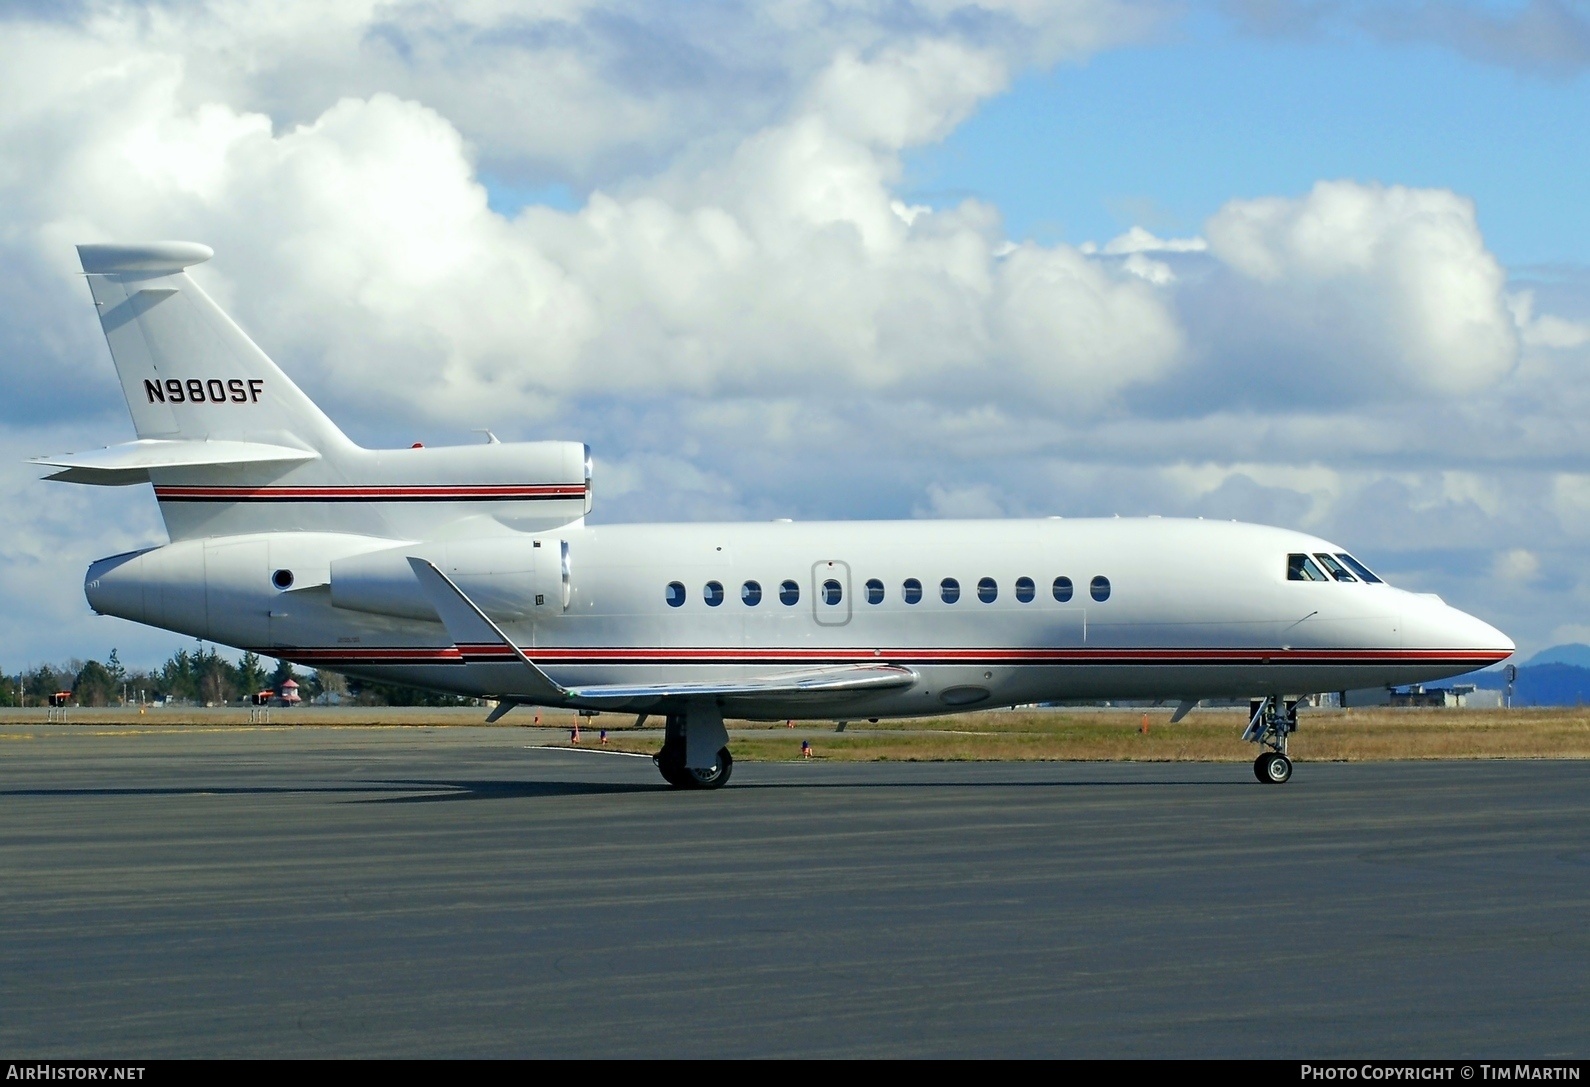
point(671, 765)
point(1279, 770)
point(1261, 767)
point(716, 777)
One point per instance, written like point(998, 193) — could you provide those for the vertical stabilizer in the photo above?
point(233, 447)
point(187, 370)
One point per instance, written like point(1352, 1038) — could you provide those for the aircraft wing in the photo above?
point(472, 629)
point(785, 686)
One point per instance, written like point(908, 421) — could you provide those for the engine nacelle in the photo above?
point(509, 578)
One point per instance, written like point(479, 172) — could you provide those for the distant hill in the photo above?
point(1574, 653)
point(1549, 684)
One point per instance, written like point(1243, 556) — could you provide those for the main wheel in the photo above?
point(1279, 769)
point(1261, 766)
point(716, 776)
point(671, 764)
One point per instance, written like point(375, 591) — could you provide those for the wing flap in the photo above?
point(131, 462)
point(815, 681)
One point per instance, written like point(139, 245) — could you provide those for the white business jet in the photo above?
point(472, 570)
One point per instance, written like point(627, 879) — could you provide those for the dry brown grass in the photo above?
point(1109, 735)
point(1206, 736)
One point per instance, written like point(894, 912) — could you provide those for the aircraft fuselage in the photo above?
point(1186, 609)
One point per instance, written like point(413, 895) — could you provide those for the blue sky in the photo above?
point(1164, 132)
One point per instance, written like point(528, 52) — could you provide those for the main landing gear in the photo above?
point(695, 750)
point(1271, 721)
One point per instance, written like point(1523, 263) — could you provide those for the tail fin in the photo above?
point(232, 446)
point(187, 371)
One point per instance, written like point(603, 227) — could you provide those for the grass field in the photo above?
point(1080, 734)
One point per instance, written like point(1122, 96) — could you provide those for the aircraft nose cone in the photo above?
point(1477, 634)
point(1501, 643)
point(1440, 626)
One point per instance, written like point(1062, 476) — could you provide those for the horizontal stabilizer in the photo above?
point(121, 465)
point(146, 258)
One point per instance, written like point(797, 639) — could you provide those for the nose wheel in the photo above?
point(1272, 768)
point(1272, 721)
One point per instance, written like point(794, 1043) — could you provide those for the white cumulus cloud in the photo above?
point(1356, 290)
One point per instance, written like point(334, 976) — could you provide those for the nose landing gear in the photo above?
point(1271, 722)
point(1272, 768)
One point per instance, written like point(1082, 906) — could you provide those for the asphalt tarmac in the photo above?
point(454, 892)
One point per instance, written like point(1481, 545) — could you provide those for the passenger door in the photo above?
point(831, 592)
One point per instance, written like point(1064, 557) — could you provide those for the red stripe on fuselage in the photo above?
point(474, 493)
point(493, 652)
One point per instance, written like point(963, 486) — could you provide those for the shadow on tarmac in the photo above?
point(432, 791)
point(436, 791)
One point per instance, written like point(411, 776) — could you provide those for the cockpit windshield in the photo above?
point(1359, 568)
point(1302, 568)
point(1337, 566)
point(1334, 568)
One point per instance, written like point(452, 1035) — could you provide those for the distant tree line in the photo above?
point(200, 677)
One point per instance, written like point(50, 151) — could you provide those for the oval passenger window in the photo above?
point(949, 590)
point(713, 594)
point(1062, 589)
point(832, 593)
point(789, 593)
point(1025, 590)
point(912, 590)
point(676, 594)
point(874, 591)
point(751, 593)
point(988, 590)
point(1100, 588)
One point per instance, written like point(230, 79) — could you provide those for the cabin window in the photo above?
point(1099, 588)
point(1334, 568)
point(676, 594)
point(751, 593)
point(949, 590)
point(912, 591)
point(1025, 590)
point(1302, 568)
point(833, 593)
point(987, 590)
point(713, 593)
point(874, 591)
point(1358, 568)
point(1062, 589)
point(789, 593)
